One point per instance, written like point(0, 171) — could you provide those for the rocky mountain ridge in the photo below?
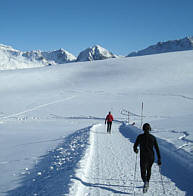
point(168, 46)
point(15, 59)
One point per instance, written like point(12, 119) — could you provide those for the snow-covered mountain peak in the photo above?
point(4, 47)
point(95, 52)
point(166, 46)
point(101, 50)
point(190, 39)
point(8, 50)
point(61, 50)
point(15, 59)
point(59, 56)
point(98, 47)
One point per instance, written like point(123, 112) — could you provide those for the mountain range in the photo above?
point(168, 46)
point(15, 59)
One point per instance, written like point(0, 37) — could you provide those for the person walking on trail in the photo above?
point(147, 142)
point(109, 119)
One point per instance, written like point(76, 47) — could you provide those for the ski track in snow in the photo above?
point(36, 108)
point(184, 138)
point(170, 95)
point(108, 168)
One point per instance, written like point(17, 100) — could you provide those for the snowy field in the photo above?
point(53, 139)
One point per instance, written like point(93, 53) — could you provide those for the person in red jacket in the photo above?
point(109, 119)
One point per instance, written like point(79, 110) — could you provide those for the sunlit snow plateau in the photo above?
point(53, 138)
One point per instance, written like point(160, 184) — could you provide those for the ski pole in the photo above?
point(164, 192)
point(135, 174)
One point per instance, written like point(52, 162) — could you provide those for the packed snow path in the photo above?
point(108, 168)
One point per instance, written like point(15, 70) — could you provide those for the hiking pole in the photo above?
point(164, 192)
point(135, 174)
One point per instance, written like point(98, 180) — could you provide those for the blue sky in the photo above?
point(120, 26)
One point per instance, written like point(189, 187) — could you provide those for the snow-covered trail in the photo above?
point(108, 168)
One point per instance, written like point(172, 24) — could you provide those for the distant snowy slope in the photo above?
point(15, 59)
point(169, 46)
point(95, 53)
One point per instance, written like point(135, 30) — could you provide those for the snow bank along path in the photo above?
point(51, 175)
point(108, 168)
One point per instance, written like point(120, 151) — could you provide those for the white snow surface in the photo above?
point(53, 138)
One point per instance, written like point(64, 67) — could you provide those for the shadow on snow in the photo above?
point(104, 186)
point(174, 166)
point(53, 173)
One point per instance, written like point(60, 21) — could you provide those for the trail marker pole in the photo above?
point(128, 117)
point(141, 114)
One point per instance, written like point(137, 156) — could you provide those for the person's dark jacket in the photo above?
point(147, 142)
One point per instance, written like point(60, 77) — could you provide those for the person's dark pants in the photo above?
point(145, 166)
point(109, 124)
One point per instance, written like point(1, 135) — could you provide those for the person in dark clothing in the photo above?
point(109, 119)
point(147, 142)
